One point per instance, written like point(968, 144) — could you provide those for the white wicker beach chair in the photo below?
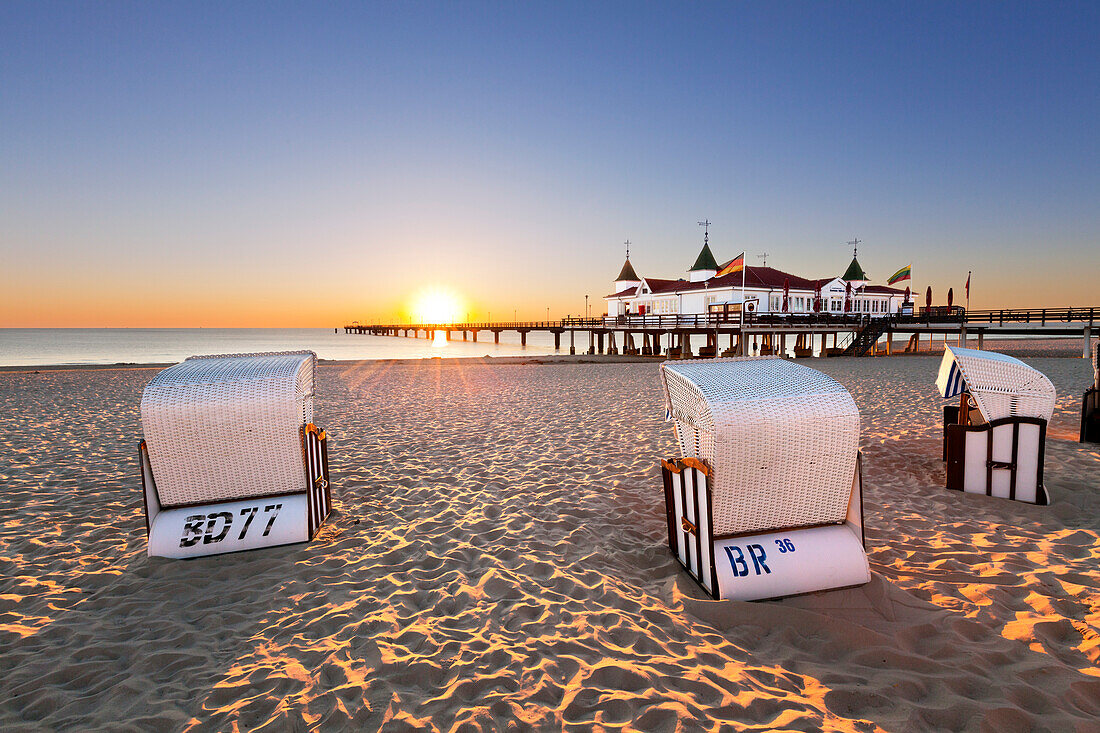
point(765, 499)
point(231, 459)
point(994, 441)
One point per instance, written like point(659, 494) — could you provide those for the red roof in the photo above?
point(755, 277)
point(883, 289)
point(763, 277)
point(657, 286)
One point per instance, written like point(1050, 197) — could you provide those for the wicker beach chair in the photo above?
point(1090, 405)
point(994, 441)
point(765, 499)
point(231, 459)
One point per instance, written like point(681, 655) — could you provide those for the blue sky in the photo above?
point(211, 164)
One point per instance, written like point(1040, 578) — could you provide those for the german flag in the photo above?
point(735, 265)
point(902, 274)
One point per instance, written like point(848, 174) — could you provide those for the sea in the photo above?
point(31, 347)
point(28, 347)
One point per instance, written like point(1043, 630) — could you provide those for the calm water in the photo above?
point(38, 347)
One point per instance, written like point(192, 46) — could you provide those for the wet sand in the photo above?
point(497, 557)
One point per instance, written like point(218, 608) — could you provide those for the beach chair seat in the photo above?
point(994, 440)
point(765, 497)
point(231, 459)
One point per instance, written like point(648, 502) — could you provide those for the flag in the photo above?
point(968, 285)
point(735, 265)
point(904, 273)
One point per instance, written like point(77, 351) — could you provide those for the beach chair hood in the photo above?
point(781, 437)
point(222, 426)
point(1002, 386)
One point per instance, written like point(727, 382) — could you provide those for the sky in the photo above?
point(270, 164)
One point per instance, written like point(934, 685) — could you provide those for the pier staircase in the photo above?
point(865, 339)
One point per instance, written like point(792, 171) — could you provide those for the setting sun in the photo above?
point(437, 306)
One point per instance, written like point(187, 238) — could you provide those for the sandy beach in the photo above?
point(497, 559)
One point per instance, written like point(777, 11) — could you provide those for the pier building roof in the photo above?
point(705, 260)
point(627, 273)
point(854, 271)
point(755, 278)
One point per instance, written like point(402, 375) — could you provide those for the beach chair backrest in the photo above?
point(781, 439)
point(227, 426)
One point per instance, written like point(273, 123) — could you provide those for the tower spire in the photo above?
point(706, 231)
point(627, 274)
point(705, 267)
point(854, 271)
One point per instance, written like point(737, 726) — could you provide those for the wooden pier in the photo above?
point(718, 334)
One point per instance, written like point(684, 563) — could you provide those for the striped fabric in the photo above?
point(954, 384)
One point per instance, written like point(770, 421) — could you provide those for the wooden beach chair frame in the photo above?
point(781, 539)
point(264, 483)
point(1090, 405)
point(994, 441)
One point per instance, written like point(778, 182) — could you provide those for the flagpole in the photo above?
point(741, 336)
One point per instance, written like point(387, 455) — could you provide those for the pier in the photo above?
point(800, 334)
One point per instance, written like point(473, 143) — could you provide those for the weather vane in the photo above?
point(764, 256)
point(627, 243)
point(706, 230)
point(855, 245)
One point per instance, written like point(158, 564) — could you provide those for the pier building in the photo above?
point(762, 290)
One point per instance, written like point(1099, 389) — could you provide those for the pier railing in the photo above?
point(1041, 316)
point(648, 322)
point(843, 321)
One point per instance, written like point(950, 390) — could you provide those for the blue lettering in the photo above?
point(737, 561)
point(756, 552)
